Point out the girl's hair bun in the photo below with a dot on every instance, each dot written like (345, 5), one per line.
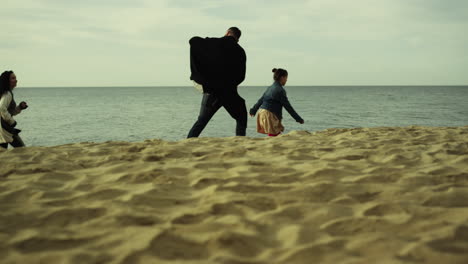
(279, 73)
(274, 70)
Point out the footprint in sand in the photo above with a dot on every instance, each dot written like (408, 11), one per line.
(91, 258)
(141, 177)
(394, 213)
(365, 197)
(229, 208)
(57, 176)
(211, 165)
(319, 253)
(353, 226)
(247, 246)
(288, 179)
(243, 188)
(205, 182)
(453, 198)
(38, 244)
(66, 217)
(384, 209)
(456, 244)
(22, 195)
(190, 219)
(153, 158)
(259, 204)
(169, 246)
(134, 220)
(107, 194)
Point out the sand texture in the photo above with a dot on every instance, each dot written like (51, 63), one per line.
(367, 195)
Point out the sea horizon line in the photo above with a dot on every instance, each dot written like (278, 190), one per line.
(246, 86)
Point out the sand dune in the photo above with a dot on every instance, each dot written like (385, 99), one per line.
(370, 195)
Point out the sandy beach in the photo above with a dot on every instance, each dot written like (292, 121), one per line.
(366, 195)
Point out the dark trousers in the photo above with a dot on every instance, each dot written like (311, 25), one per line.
(211, 104)
(16, 143)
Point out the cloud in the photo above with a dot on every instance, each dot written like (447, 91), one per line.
(103, 42)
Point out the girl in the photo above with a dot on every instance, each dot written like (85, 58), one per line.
(271, 105)
(8, 108)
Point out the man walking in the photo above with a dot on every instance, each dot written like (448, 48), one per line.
(219, 65)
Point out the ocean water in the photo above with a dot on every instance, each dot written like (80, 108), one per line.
(68, 115)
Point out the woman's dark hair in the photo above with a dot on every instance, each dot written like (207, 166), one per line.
(5, 82)
(279, 73)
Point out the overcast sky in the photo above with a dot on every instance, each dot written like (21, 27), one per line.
(320, 42)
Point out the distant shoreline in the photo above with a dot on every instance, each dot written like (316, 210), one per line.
(247, 86)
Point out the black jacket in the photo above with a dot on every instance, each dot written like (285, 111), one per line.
(219, 64)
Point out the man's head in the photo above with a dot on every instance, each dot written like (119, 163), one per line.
(234, 32)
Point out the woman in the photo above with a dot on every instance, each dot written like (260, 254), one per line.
(8, 108)
(271, 105)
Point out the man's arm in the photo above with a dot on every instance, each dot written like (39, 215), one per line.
(195, 68)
